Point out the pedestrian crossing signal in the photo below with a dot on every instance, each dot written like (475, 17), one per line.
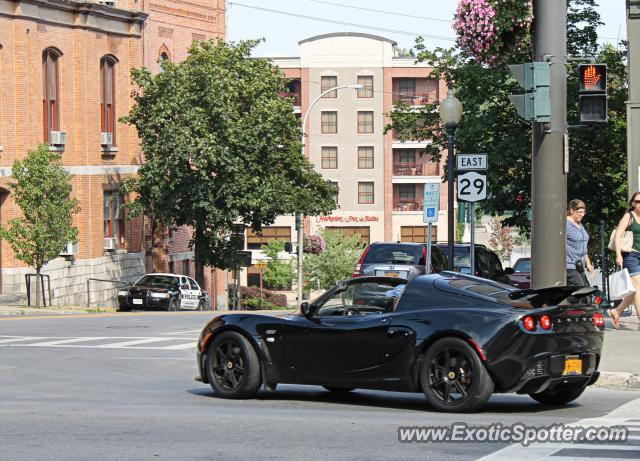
(593, 103)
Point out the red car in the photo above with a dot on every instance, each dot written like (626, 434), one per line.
(521, 276)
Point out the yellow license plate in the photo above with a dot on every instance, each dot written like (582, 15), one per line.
(572, 366)
(392, 274)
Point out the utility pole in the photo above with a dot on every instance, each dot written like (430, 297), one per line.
(550, 151)
(633, 104)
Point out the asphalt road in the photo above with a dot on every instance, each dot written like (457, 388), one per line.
(120, 387)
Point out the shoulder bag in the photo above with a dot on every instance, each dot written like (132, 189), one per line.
(626, 242)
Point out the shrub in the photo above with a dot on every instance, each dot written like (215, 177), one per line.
(252, 298)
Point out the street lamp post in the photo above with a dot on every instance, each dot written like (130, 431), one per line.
(299, 217)
(450, 114)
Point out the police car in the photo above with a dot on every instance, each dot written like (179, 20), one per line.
(173, 292)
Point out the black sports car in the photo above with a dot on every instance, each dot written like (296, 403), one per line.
(457, 338)
(165, 291)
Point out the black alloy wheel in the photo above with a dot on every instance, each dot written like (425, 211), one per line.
(453, 378)
(233, 366)
(174, 305)
(560, 395)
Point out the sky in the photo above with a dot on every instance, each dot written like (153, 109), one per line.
(249, 19)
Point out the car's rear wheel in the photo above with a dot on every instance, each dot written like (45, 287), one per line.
(201, 306)
(339, 390)
(174, 305)
(124, 309)
(233, 366)
(453, 378)
(560, 395)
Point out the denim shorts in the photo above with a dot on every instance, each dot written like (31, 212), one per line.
(631, 262)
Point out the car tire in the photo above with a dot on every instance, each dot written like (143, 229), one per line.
(233, 366)
(124, 309)
(339, 390)
(201, 306)
(174, 305)
(560, 395)
(453, 378)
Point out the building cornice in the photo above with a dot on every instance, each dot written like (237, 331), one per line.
(77, 15)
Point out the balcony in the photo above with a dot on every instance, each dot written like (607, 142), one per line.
(414, 99)
(414, 204)
(407, 169)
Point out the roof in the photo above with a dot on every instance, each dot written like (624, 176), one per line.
(347, 34)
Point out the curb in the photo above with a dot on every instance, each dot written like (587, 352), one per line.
(619, 380)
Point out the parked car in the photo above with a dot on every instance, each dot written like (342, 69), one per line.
(521, 276)
(456, 338)
(487, 262)
(398, 259)
(166, 291)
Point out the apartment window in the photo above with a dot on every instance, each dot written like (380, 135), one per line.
(327, 83)
(407, 87)
(367, 86)
(107, 96)
(335, 185)
(407, 192)
(365, 193)
(162, 59)
(407, 156)
(329, 122)
(417, 234)
(365, 122)
(329, 157)
(50, 92)
(255, 240)
(113, 204)
(363, 231)
(365, 157)
(186, 266)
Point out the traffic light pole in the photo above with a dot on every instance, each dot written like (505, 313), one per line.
(548, 176)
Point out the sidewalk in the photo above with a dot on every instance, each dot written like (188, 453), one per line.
(619, 366)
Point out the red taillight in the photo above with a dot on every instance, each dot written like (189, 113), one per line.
(529, 323)
(545, 322)
(598, 300)
(356, 269)
(598, 319)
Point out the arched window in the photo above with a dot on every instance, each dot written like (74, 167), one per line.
(163, 57)
(50, 92)
(108, 99)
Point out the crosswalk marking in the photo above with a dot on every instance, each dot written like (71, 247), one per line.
(101, 342)
(627, 415)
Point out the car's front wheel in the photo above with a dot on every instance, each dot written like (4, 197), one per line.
(174, 305)
(453, 378)
(233, 366)
(560, 395)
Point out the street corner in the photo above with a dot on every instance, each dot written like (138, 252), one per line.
(12, 312)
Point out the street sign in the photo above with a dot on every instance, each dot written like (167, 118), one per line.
(535, 78)
(471, 162)
(260, 265)
(472, 186)
(431, 202)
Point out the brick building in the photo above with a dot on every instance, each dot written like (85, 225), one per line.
(65, 79)
(380, 179)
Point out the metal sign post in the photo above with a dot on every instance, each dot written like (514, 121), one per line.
(431, 205)
(472, 187)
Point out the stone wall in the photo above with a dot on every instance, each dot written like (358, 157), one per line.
(69, 279)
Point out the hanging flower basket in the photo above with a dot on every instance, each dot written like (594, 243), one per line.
(491, 31)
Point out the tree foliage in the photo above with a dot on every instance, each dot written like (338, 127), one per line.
(41, 188)
(335, 263)
(597, 166)
(220, 146)
(280, 273)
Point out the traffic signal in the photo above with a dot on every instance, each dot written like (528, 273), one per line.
(592, 89)
(535, 77)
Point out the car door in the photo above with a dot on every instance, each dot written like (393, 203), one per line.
(187, 298)
(332, 341)
(196, 291)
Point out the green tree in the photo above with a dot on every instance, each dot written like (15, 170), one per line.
(280, 273)
(490, 124)
(335, 263)
(220, 146)
(41, 188)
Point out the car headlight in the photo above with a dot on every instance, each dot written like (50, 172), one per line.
(123, 293)
(159, 295)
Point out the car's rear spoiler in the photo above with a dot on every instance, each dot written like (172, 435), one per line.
(552, 296)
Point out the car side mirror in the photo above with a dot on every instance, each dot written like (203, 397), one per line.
(305, 309)
(509, 271)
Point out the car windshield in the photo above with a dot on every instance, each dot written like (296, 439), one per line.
(522, 265)
(157, 281)
(395, 254)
